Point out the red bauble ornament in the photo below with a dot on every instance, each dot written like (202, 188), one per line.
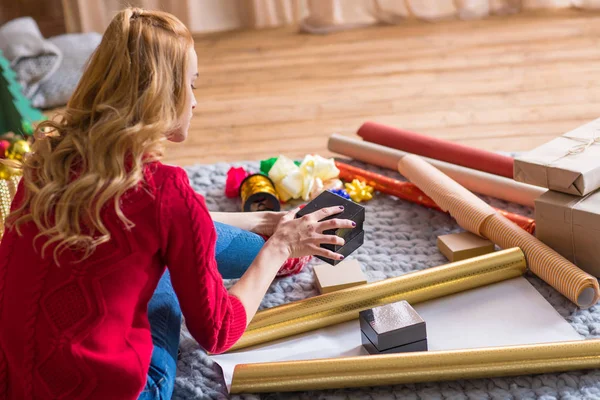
(4, 144)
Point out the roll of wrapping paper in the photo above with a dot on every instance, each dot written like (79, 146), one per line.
(410, 192)
(474, 215)
(438, 149)
(474, 180)
(258, 194)
(344, 305)
(421, 366)
(8, 189)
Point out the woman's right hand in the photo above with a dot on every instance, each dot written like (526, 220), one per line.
(303, 236)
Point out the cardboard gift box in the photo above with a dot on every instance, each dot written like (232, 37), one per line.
(344, 275)
(571, 226)
(463, 245)
(567, 164)
(392, 328)
(354, 237)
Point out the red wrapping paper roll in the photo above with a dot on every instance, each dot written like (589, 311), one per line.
(410, 192)
(438, 149)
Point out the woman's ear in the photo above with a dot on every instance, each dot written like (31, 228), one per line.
(175, 135)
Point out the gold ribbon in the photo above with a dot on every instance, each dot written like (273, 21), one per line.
(8, 189)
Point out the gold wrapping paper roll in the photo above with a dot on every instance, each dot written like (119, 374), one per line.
(344, 305)
(478, 217)
(430, 366)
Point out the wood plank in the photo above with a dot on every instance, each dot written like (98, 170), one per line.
(504, 83)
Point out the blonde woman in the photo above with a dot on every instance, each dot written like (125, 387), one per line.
(87, 309)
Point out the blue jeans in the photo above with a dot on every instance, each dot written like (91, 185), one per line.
(235, 251)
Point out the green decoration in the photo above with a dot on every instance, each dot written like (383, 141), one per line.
(27, 128)
(16, 114)
(266, 165)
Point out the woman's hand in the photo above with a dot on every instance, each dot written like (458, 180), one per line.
(293, 237)
(300, 237)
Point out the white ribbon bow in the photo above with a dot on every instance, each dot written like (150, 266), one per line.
(293, 182)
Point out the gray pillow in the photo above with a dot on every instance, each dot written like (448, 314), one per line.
(76, 49)
(31, 71)
(33, 58)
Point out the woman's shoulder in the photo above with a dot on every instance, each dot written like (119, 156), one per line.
(172, 189)
(160, 174)
(171, 181)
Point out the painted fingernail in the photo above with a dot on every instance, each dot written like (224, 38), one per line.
(341, 207)
(341, 257)
(354, 224)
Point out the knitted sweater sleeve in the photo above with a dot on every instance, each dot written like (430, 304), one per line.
(215, 318)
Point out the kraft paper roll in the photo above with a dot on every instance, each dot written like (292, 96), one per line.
(438, 149)
(474, 180)
(344, 305)
(410, 192)
(425, 366)
(476, 216)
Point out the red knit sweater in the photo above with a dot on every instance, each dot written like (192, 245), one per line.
(79, 330)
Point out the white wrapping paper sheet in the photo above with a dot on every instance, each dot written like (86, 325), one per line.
(508, 313)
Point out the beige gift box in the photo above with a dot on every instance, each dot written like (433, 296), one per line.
(346, 274)
(571, 226)
(463, 245)
(568, 164)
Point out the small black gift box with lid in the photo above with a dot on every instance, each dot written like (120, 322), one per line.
(393, 328)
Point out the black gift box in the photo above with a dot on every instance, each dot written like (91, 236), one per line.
(393, 328)
(421, 345)
(354, 237)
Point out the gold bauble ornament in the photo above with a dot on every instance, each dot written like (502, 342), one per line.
(7, 172)
(17, 150)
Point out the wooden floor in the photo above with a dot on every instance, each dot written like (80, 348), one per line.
(500, 84)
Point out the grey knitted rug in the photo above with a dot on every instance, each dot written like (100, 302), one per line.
(400, 238)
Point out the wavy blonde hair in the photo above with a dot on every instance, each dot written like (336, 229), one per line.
(129, 98)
